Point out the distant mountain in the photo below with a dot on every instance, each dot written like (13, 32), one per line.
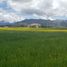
(45, 23)
(4, 23)
(42, 22)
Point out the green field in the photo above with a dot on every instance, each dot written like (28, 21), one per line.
(33, 49)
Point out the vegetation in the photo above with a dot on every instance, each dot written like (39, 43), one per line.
(27, 29)
(33, 49)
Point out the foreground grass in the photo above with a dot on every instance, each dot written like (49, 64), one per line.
(33, 49)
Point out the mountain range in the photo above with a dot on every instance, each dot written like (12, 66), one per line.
(44, 23)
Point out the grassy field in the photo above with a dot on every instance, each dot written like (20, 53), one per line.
(33, 49)
(27, 29)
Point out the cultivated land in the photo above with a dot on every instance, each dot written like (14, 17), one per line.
(27, 29)
(32, 49)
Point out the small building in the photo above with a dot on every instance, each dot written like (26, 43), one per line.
(34, 25)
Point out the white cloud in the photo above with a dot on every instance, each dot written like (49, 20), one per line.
(37, 8)
(41, 7)
(9, 17)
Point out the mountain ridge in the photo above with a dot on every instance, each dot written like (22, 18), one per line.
(43, 22)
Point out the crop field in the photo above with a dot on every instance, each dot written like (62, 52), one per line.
(29, 47)
(27, 29)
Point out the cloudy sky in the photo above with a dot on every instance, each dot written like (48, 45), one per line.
(15, 10)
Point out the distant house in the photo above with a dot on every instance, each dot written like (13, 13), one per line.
(34, 25)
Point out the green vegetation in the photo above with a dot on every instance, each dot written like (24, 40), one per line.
(33, 49)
